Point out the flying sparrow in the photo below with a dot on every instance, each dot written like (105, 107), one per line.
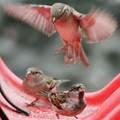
(97, 25)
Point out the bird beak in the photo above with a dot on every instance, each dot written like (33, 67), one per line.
(28, 73)
(81, 89)
(54, 19)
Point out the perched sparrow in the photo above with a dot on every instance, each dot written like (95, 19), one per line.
(37, 82)
(97, 26)
(69, 103)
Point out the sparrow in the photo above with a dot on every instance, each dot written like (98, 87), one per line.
(37, 82)
(97, 25)
(69, 103)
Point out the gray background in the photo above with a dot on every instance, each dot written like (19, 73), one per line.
(22, 46)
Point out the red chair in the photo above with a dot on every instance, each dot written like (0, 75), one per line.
(101, 105)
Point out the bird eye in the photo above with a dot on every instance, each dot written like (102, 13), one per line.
(35, 73)
(74, 88)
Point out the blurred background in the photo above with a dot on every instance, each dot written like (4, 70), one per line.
(22, 46)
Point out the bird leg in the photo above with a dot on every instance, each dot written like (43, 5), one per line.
(76, 117)
(33, 102)
(57, 116)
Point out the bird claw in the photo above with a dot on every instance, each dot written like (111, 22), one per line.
(76, 117)
(32, 103)
(60, 50)
(57, 116)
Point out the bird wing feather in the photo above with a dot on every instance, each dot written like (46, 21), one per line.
(37, 16)
(97, 25)
(59, 99)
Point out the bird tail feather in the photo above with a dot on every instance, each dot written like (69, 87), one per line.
(59, 82)
(75, 52)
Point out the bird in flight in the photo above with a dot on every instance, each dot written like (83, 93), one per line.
(97, 25)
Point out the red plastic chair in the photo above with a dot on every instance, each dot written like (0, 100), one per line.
(101, 105)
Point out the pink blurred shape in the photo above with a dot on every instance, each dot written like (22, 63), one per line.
(101, 105)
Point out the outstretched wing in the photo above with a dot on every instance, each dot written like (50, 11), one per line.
(97, 25)
(36, 15)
